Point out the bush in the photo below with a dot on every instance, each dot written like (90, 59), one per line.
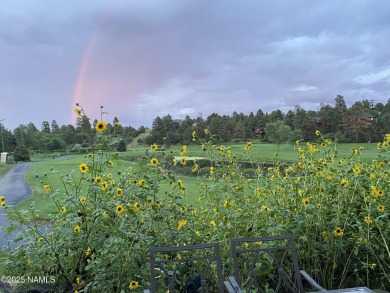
(121, 147)
(336, 208)
(21, 153)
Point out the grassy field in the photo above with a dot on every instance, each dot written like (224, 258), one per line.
(263, 151)
(49, 171)
(5, 167)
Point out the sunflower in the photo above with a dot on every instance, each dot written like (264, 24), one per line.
(101, 126)
(77, 228)
(133, 285)
(88, 251)
(380, 208)
(78, 112)
(265, 208)
(305, 201)
(212, 223)
(338, 231)
(344, 183)
(63, 210)
(83, 200)
(180, 183)
(183, 161)
(119, 192)
(180, 224)
(195, 168)
(154, 162)
(46, 187)
(136, 207)
(2, 198)
(183, 150)
(141, 182)
(368, 220)
(98, 180)
(83, 168)
(318, 132)
(104, 186)
(119, 209)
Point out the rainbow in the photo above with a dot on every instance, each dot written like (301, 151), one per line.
(80, 80)
(78, 89)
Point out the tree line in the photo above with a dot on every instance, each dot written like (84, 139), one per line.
(364, 121)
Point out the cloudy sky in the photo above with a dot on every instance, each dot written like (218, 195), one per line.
(146, 58)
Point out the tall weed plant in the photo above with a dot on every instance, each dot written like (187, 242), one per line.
(337, 208)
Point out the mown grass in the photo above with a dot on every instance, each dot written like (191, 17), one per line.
(5, 167)
(260, 151)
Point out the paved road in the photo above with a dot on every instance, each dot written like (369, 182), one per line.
(15, 189)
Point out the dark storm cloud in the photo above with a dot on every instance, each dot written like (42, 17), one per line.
(151, 57)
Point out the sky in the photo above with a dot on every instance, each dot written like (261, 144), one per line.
(147, 58)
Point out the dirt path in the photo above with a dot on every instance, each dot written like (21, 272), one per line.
(15, 189)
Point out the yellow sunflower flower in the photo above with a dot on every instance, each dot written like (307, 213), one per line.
(119, 192)
(183, 161)
(98, 180)
(133, 285)
(180, 224)
(77, 228)
(195, 168)
(154, 162)
(119, 209)
(338, 231)
(344, 183)
(78, 112)
(380, 208)
(136, 207)
(100, 126)
(368, 220)
(83, 168)
(88, 251)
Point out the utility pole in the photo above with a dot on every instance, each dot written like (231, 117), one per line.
(2, 138)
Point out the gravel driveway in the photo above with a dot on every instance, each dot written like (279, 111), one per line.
(15, 189)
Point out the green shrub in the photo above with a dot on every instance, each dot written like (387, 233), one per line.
(336, 208)
(21, 153)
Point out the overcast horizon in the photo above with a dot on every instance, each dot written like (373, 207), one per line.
(143, 59)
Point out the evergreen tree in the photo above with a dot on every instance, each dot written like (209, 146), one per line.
(45, 126)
